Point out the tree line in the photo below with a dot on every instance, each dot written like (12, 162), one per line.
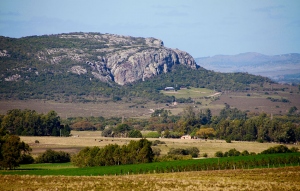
(30, 123)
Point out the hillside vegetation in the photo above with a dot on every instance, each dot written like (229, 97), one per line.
(80, 67)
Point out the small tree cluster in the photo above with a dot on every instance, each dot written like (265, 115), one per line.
(51, 156)
(135, 152)
(122, 130)
(232, 152)
(193, 151)
(279, 149)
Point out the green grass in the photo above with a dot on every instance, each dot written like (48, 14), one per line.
(241, 162)
(192, 93)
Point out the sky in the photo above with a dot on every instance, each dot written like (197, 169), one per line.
(199, 27)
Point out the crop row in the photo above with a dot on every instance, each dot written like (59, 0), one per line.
(241, 162)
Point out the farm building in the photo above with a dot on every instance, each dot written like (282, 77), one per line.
(186, 137)
(169, 88)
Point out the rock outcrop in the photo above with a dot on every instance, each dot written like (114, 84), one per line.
(108, 57)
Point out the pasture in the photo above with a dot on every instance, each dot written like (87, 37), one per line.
(250, 100)
(81, 139)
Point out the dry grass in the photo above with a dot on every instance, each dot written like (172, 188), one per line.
(93, 138)
(257, 179)
(256, 102)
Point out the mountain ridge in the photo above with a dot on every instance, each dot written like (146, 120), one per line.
(108, 57)
(277, 67)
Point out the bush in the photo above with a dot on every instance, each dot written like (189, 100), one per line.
(193, 151)
(219, 154)
(245, 153)
(50, 156)
(228, 140)
(36, 141)
(26, 159)
(156, 151)
(205, 155)
(233, 152)
(135, 134)
(157, 142)
(277, 149)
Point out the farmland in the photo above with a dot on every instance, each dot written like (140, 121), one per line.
(81, 139)
(254, 179)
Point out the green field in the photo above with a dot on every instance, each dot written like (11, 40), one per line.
(241, 162)
(193, 93)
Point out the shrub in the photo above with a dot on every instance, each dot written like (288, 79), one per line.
(205, 155)
(228, 140)
(26, 159)
(233, 152)
(219, 154)
(36, 141)
(156, 151)
(193, 151)
(157, 142)
(245, 153)
(277, 149)
(135, 134)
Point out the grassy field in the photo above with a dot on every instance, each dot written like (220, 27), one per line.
(254, 101)
(81, 139)
(194, 93)
(255, 179)
(224, 163)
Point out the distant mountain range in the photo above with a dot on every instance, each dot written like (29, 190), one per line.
(283, 68)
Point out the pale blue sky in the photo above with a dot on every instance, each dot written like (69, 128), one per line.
(202, 28)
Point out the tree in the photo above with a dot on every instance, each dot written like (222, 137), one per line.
(122, 129)
(12, 150)
(206, 132)
(135, 134)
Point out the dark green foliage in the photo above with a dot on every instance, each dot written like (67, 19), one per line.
(231, 153)
(13, 152)
(193, 151)
(135, 134)
(278, 100)
(135, 152)
(240, 162)
(283, 129)
(219, 154)
(277, 149)
(30, 123)
(51, 156)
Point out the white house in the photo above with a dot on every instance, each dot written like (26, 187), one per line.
(186, 137)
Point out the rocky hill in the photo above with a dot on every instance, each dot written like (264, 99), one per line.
(96, 67)
(107, 57)
(281, 68)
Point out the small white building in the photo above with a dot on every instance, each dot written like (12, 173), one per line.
(186, 137)
(169, 88)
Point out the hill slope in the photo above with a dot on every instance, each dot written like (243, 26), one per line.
(88, 65)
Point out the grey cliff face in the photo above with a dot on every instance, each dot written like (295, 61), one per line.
(121, 59)
(146, 63)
